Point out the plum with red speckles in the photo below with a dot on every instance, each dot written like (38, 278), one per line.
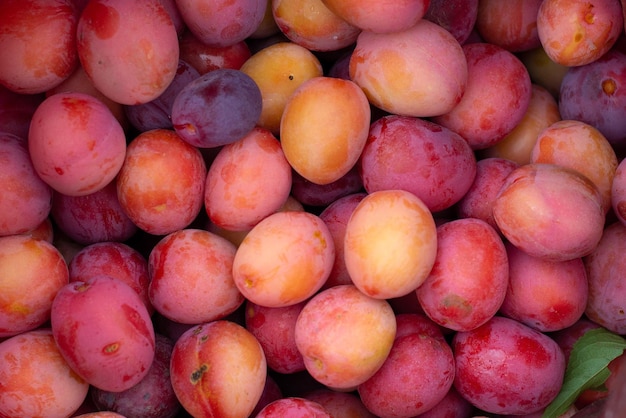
(191, 278)
(92, 218)
(116, 260)
(75, 143)
(407, 153)
(496, 97)
(247, 181)
(38, 41)
(161, 184)
(398, 389)
(218, 369)
(505, 367)
(478, 201)
(222, 23)
(205, 58)
(36, 379)
(104, 332)
(605, 271)
(543, 294)
(274, 328)
(26, 198)
(129, 49)
(468, 282)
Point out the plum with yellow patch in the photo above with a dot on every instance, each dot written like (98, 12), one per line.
(285, 259)
(279, 70)
(32, 271)
(418, 72)
(161, 184)
(324, 127)
(218, 369)
(390, 244)
(344, 336)
(191, 279)
(36, 379)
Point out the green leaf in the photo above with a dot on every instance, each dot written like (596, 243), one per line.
(587, 367)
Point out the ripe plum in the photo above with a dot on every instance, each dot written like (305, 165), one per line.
(390, 244)
(217, 108)
(469, 278)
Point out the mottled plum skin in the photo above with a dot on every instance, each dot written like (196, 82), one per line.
(605, 270)
(405, 153)
(161, 184)
(133, 43)
(36, 379)
(104, 332)
(152, 397)
(505, 367)
(534, 196)
(293, 407)
(274, 328)
(478, 201)
(545, 295)
(456, 16)
(191, 279)
(581, 147)
(344, 336)
(76, 144)
(576, 32)
(32, 271)
(379, 17)
(285, 259)
(38, 44)
(26, 199)
(510, 25)
(398, 389)
(218, 369)
(310, 24)
(222, 23)
(596, 94)
(231, 105)
(336, 216)
(385, 66)
(468, 281)
(116, 260)
(92, 218)
(247, 181)
(484, 114)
